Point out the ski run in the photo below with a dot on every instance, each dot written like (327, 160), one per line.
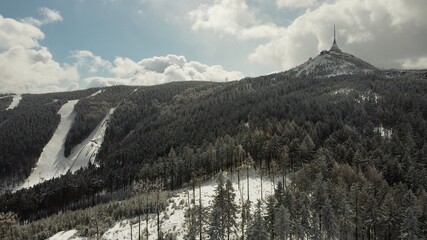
(52, 162)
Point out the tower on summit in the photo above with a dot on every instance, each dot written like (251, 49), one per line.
(335, 47)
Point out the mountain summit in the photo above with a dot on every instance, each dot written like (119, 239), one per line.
(332, 63)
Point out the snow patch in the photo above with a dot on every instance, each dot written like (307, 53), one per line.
(384, 132)
(344, 91)
(173, 218)
(64, 235)
(96, 93)
(15, 102)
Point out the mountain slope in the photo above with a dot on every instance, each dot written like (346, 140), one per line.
(332, 63)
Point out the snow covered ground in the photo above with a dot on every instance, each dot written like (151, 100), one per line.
(52, 162)
(173, 220)
(63, 235)
(15, 102)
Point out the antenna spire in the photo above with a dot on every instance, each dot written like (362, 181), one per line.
(335, 47)
(334, 32)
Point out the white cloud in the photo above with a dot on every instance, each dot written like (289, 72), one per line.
(295, 3)
(49, 16)
(25, 66)
(86, 60)
(232, 17)
(15, 33)
(159, 70)
(419, 63)
(32, 70)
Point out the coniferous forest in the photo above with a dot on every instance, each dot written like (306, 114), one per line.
(349, 154)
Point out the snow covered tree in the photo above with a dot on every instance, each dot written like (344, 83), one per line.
(216, 220)
(224, 210)
(246, 216)
(329, 220)
(256, 229)
(271, 215)
(7, 225)
(282, 224)
(230, 209)
(410, 226)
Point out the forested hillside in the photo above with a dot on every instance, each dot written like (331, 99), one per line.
(353, 146)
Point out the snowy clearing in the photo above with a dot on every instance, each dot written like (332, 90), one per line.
(15, 102)
(64, 235)
(173, 220)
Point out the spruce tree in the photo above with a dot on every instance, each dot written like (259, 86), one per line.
(217, 216)
(329, 220)
(256, 229)
(230, 209)
(282, 224)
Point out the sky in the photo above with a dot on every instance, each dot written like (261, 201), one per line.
(59, 45)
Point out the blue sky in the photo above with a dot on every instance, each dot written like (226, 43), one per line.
(86, 43)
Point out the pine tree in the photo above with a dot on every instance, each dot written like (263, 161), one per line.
(271, 215)
(256, 229)
(282, 224)
(246, 216)
(329, 220)
(217, 225)
(230, 209)
(410, 226)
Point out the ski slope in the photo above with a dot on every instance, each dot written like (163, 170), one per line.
(173, 218)
(52, 161)
(15, 102)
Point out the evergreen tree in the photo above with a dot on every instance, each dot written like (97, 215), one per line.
(282, 224)
(410, 226)
(271, 215)
(329, 220)
(230, 209)
(256, 229)
(217, 226)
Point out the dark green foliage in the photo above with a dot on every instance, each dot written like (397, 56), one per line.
(91, 110)
(5, 101)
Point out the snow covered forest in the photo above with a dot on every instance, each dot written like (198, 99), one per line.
(349, 153)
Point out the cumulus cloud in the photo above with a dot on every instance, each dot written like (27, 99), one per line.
(32, 70)
(15, 33)
(420, 63)
(86, 60)
(395, 30)
(159, 70)
(48, 16)
(232, 17)
(25, 66)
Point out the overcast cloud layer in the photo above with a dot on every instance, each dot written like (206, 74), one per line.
(386, 33)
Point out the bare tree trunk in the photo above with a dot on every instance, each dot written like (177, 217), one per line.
(247, 179)
(139, 226)
(200, 212)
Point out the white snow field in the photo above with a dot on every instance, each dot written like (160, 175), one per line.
(173, 220)
(52, 162)
(63, 235)
(15, 102)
